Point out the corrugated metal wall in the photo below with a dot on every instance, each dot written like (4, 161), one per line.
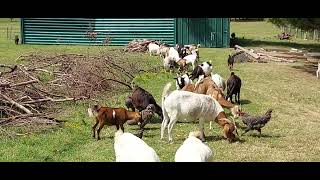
(209, 32)
(73, 30)
(123, 31)
(56, 30)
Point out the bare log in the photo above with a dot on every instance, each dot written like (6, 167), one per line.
(248, 52)
(16, 104)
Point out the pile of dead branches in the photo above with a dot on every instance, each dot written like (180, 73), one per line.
(140, 45)
(276, 55)
(29, 90)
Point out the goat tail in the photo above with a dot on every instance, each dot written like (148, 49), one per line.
(165, 120)
(269, 112)
(165, 91)
(93, 111)
(90, 113)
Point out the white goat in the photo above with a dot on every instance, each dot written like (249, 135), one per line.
(163, 51)
(220, 82)
(153, 48)
(173, 54)
(184, 105)
(130, 148)
(168, 63)
(207, 68)
(191, 58)
(182, 81)
(318, 71)
(193, 150)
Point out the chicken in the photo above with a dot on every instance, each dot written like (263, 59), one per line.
(255, 122)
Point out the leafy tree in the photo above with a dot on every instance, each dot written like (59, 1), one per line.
(301, 23)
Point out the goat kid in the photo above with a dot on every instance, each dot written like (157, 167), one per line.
(182, 81)
(191, 59)
(193, 150)
(153, 48)
(129, 148)
(233, 88)
(111, 116)
(204, 68)
(140, 99)
(163, 51)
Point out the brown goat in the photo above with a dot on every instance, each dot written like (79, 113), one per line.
(208, 87)
(228, 127)
(112, 116)
(183, 66)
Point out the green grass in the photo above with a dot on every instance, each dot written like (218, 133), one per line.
(291, 135)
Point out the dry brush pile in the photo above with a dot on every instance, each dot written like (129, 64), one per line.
(29, 90)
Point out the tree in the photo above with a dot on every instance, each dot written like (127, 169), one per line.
(301, 23)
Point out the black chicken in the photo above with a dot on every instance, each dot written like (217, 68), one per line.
(255, 122)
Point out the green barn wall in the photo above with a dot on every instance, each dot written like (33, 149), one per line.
(209, 32)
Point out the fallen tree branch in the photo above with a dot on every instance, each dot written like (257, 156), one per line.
(125, 84)
(248, 52)
(16, 104)
(23, 116)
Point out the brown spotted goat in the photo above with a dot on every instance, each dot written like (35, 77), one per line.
(112, 117)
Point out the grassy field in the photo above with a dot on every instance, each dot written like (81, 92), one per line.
(290, 89)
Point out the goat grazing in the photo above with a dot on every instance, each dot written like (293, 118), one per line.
(191, 58)
(207, 86)
(183, 66)
(182, 81)
(169, 63)
(318, 71)
(163, 50)
(173, 54)
(153, 48)
(204, 68)
(111, 116)
(140, 99)
(129, 148)
(192, 47)
(182, 105)
(181, 50)
(219, 81)
(233, 87)
(193, 150)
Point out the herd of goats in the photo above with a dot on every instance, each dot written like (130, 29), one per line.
(201, 101)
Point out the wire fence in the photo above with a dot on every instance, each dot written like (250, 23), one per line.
(301, 34)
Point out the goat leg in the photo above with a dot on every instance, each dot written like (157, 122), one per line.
(99, 129)
(259, 130)
(247, 130)
(94, 129)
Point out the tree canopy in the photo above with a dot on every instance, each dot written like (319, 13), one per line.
(301, 23)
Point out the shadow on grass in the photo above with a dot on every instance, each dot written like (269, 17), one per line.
(284, 43)
(221, 138)
(307, 67)
(146, 128)
(245, 101)
(262, 135)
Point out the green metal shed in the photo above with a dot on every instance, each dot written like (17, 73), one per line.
(209, 32)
